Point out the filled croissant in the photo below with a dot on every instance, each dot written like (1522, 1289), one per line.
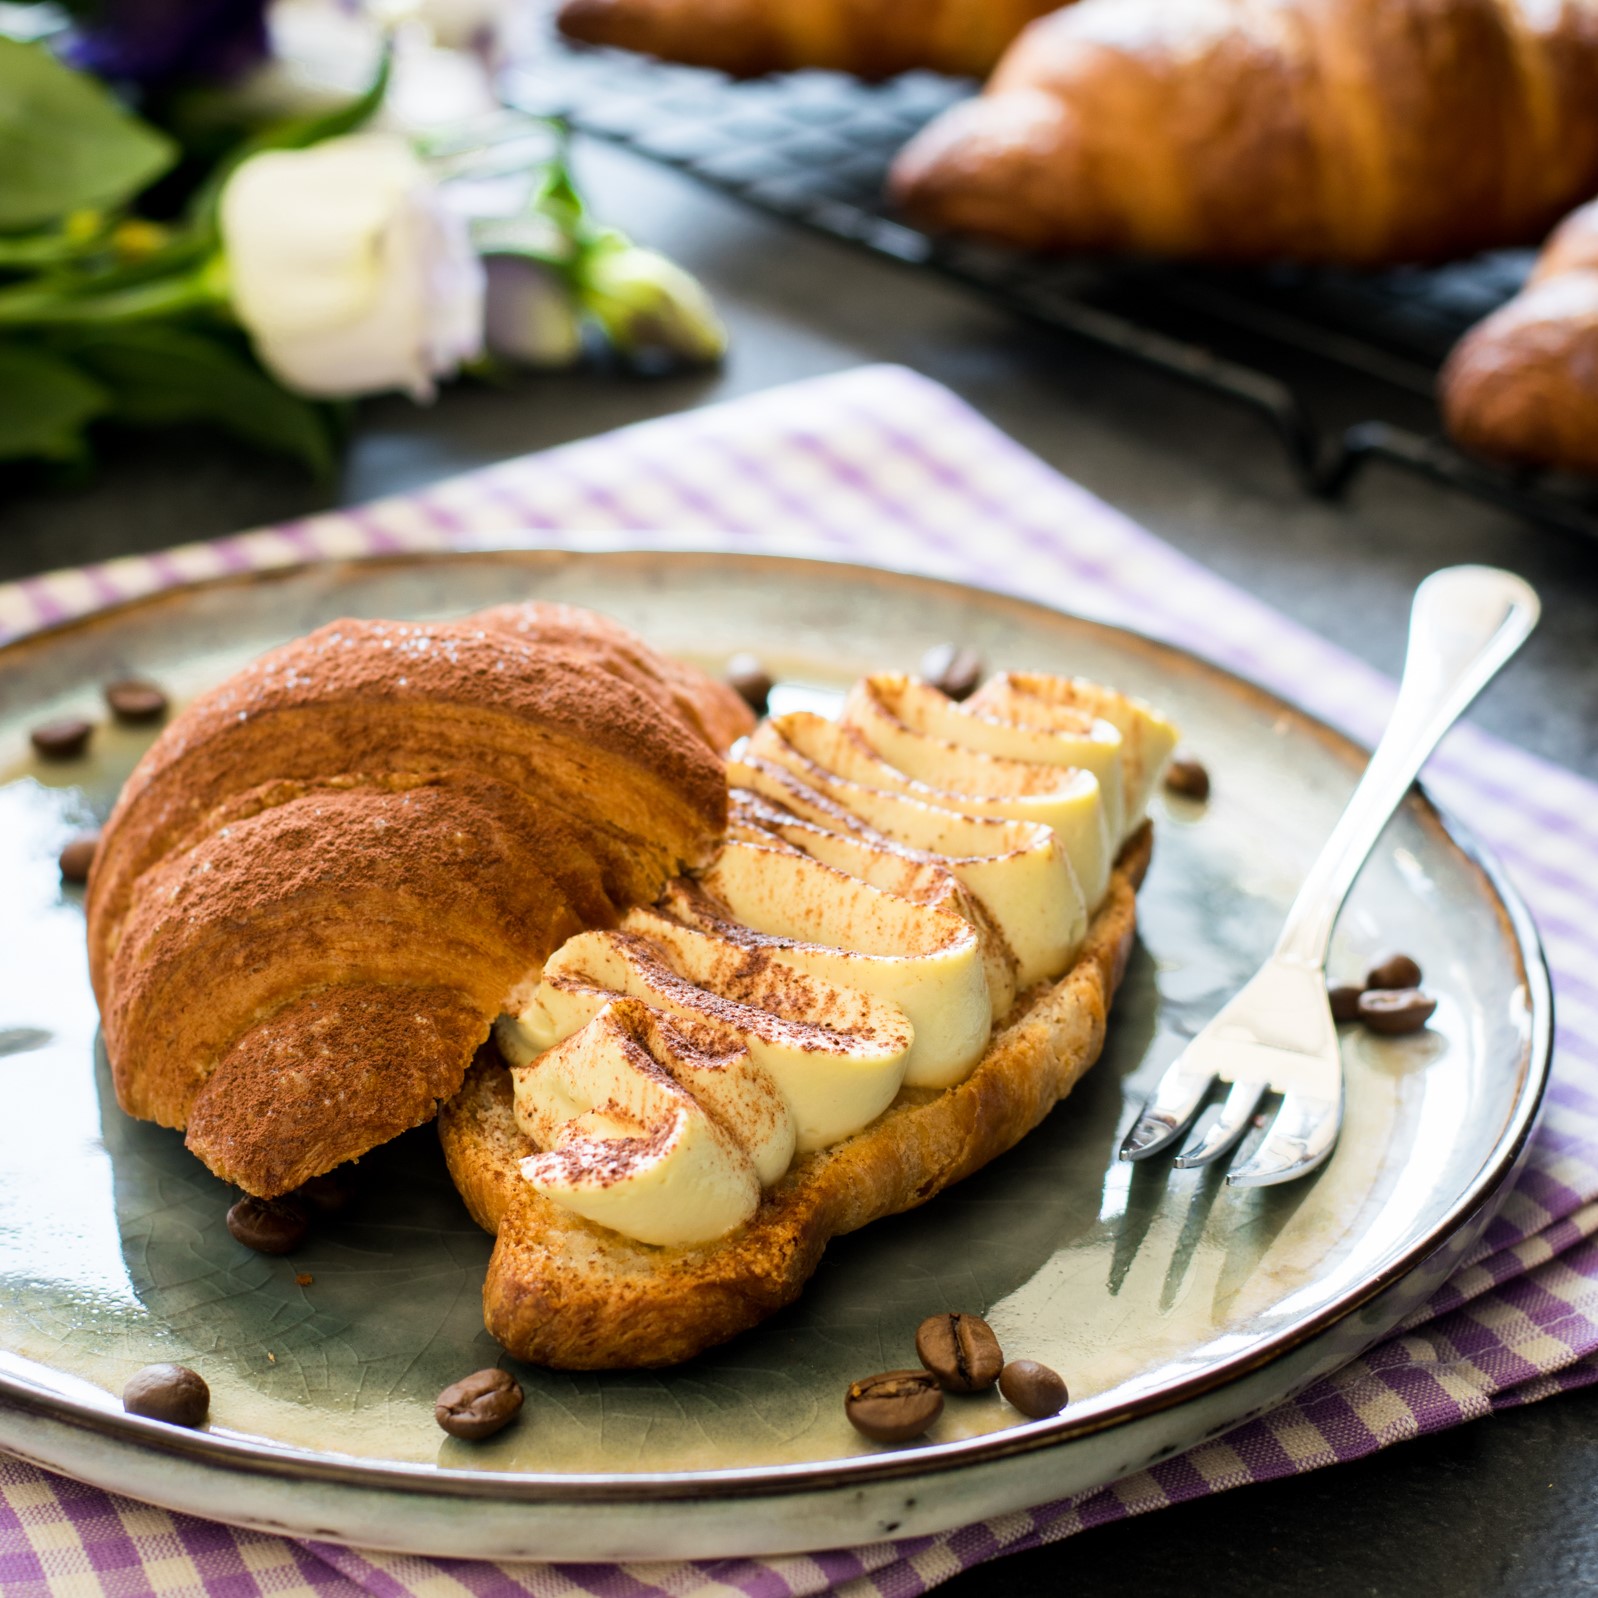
(1522, 386)
(870, 38)
(1354, 131)
(329, 875)
(902, 958)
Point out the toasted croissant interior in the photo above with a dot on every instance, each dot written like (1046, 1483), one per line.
(329, 875)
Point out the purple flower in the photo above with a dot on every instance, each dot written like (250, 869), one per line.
(158, 42)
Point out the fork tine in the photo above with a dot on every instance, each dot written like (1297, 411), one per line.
(1230, 1123)
(1300, 1138)
(1169, 1111)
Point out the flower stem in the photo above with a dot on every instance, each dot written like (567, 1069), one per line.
(28, 305)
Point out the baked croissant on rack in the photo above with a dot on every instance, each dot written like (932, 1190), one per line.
(870, 38)
(329, 875)
(1522, 386)
(1361, 132)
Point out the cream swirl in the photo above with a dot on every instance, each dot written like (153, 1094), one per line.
(911, 873)
(791, 906)
(835, 1054)
(928, 736)
(642, 1131)
(1035, 699)
(1033, 876)
(890, 883)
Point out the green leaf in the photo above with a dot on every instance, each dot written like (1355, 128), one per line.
(306, 131)
(45, 403)
(557, 197)
(65, 144)
(159, 376)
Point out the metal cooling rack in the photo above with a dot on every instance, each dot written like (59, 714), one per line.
(815, 147)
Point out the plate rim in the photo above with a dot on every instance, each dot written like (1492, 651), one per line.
(242, 1451)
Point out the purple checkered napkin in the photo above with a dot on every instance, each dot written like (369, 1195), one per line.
(883, 467)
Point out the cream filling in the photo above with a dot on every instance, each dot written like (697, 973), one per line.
(891, 881)
(1036, 878)
(646, 1134)
(828, 924)
(1037, 700)
(911, 873)
(836, 1056)
(911, 725)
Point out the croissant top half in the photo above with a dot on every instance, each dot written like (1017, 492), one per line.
(328, 875)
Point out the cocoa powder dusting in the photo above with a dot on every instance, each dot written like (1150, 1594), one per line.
(429, 809)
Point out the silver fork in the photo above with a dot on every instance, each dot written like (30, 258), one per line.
(1277, 1035)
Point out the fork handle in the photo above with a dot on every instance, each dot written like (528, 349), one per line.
(1466, 623)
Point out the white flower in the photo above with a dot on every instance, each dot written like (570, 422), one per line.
(324, 54)
(532, 317)
(468, 24)
(347, 269)
(649, 305)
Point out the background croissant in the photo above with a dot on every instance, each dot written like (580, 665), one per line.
(871, 38)
(1354, 131)
(1522, 386)
(327, 877)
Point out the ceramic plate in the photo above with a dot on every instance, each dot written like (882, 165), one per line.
(1175, 1307)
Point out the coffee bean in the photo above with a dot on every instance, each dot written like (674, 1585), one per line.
(1394, 1011)
(65, 739)
(953, 670)
(78, 856)
(961, 1351)
(1396, 971)
(750, 681)
(478, 1405)
(268, 1225)
(1345, 1002)
(895, 1406)
(135, 700)
(172, 1393)
(1033, 1389)
(329, 1194)
(1187, 779)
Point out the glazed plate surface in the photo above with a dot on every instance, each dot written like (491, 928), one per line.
(1174, 1307)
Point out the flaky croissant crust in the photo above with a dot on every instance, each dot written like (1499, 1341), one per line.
(328, 875)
